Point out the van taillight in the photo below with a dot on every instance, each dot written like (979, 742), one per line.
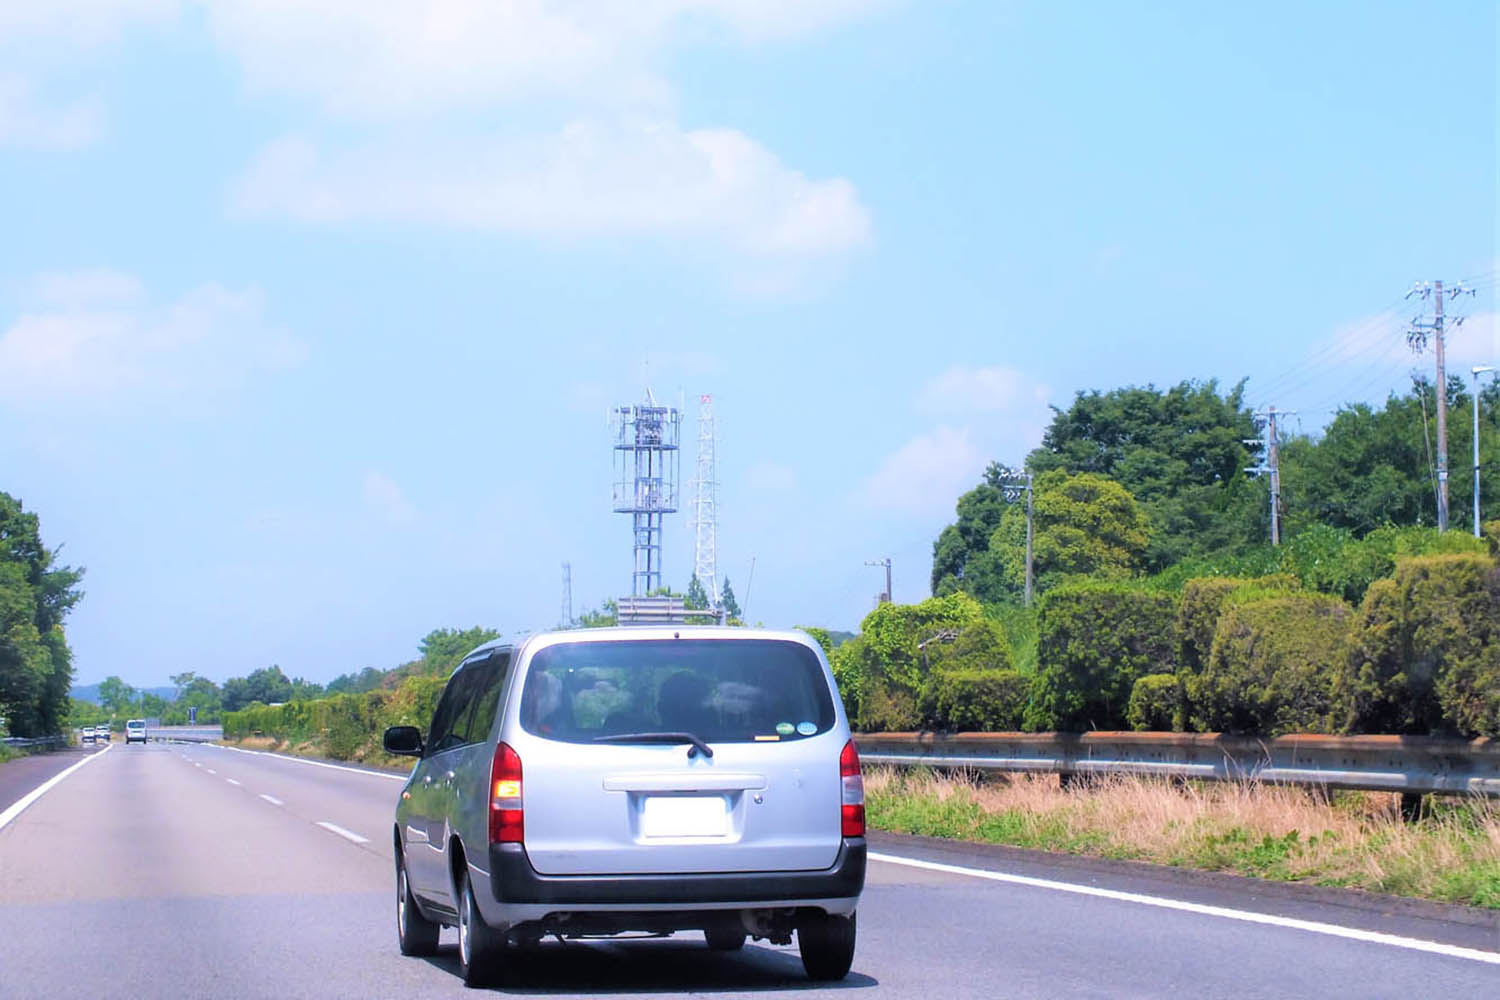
(852, 810)
(507, 817)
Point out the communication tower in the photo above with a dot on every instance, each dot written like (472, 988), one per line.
(647, 442)
(706, 506)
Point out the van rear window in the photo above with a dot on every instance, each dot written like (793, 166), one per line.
(720, 690)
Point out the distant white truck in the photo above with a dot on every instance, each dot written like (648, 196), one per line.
(135, 731)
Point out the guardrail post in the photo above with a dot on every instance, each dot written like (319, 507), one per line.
(1412, 806)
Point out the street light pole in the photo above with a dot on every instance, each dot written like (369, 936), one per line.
(1477, 370)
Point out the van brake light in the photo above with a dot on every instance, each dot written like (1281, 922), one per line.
(852, 808)
(507, 815)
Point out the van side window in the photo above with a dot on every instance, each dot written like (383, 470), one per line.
(452, 707)
(489, 677)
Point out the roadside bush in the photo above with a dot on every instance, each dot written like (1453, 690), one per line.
(1332, 561)
(1158, 703)
(1275, 664)
(342, 726)
(1426, 651)
(976, 700)
(1094, 640)
(882, 671)
(1198, 611)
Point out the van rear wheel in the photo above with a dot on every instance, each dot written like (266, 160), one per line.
(826, 942)
(481, 950)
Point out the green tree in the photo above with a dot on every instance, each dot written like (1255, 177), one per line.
(1375, 467)
(116, 696)
(727, 597)
(957, 555)
(36, 594)
(697, 597)
(1083, 525)
(1178, 451)
(604, 617)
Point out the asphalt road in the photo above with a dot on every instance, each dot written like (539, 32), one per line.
(197, 871)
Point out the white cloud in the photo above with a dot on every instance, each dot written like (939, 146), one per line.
(93, 336)
(386, 499)
(355, 57)
(1474, 342)
(48, 41)
(85, 287)
(771, 477)
(590, 179)
(924, 475)
(982, 390)
(29, 122)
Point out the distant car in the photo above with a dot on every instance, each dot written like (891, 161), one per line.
(135, 731)
(103, 733)
(675, 779)
(86, 734)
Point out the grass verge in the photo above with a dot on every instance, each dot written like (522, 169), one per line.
(1349, 839)
(316, 750)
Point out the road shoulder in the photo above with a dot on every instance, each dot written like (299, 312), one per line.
(1464, 926)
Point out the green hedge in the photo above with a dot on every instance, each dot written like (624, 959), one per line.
(1094, 640)
(1426, 656)
(883, 671)
(976, 700)
(344, 726)
(1198, 611)
(1275, 665)
(1158, 703)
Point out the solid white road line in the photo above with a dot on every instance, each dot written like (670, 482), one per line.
(315, 763)
(346, 834)
(1313, 926)
(17, 807)
(231, 781)
(272, 799)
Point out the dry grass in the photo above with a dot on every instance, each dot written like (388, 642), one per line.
(1349, 839)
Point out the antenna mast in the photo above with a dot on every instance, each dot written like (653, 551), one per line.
(647, 442)
(706, 505)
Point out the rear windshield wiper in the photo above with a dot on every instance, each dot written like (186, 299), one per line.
(698, 746)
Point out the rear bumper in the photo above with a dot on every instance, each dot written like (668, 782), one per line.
(514, 881)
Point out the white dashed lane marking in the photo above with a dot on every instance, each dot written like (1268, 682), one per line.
(349, 835)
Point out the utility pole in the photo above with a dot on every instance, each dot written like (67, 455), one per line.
(886, 562)
(1011, 487)
(1476, 371)
(1416, 338)
(1272, 464)
(1028, 539)
(567, 595)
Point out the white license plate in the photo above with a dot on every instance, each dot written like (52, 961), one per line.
(684, 816)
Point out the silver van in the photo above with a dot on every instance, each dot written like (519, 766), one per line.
(656, 779)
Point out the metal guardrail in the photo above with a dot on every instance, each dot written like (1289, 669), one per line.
(23, 743)
(1411, 765)
(187, 734)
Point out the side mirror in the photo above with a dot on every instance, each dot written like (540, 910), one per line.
(403, 741)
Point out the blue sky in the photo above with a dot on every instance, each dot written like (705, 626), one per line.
(310, 314)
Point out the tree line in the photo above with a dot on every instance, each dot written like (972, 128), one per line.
(1161, 605)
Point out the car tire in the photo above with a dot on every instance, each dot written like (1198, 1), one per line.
(724, 939)
(827, 945)
(414, 933)
(481, 950)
